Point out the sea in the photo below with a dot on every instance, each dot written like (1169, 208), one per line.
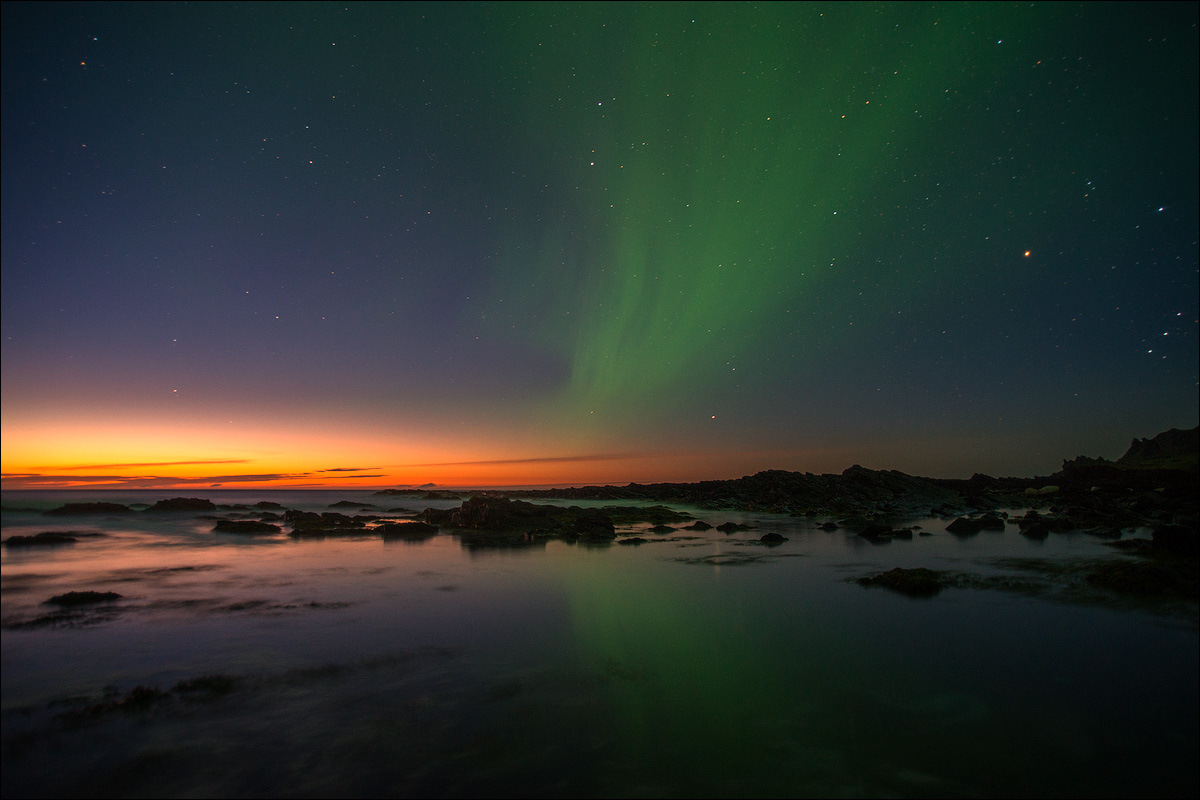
(695, 664)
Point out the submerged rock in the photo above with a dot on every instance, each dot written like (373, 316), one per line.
(82, 598)
(183, 504)
(918, 582)
(47, 539)
(406, 530)
(71, 509)
(244, 526)
(1177, 540)
(773, 538)
(969, 526)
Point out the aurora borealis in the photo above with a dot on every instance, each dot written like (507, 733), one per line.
(472, 244)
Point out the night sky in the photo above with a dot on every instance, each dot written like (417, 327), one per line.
(385, 244)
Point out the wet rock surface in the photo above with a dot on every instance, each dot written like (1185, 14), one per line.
(918, 582)
(245, 526)
(49, 538)
(70, 599)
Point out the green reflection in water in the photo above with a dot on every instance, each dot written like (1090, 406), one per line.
(694, 691)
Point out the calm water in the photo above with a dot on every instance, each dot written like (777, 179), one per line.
(707, 664)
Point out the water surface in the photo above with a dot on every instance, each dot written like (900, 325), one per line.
(696, 664)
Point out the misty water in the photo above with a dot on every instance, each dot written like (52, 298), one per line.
(696, 664)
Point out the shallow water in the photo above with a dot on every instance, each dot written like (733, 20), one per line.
(697, 664)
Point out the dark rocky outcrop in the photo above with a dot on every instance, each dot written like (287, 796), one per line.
(919, 582)
(309, 524)
(411, 531)
(79, 509)
(244, 526)
(182, 504)
(1173, 449)
(46, 539)
(1177, 540)
(773, 538)
(71, 599)
(969, 526)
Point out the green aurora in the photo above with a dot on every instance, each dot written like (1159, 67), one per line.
(724, 177)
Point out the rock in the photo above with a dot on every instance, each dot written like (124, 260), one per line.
(593, 524)
(663, 529)
(407, 530)
(246, 526)
(82, 598)
(634, 540)
(47, 539)
(877, 533)
(1175, 539)
(919, 582)
(1036, 530)
(267, 505)
(969, 526)
(829, 526)
(183, 504)
(700, 525)
(731, 527)
(1170, 449)
(71, 509)
(351, 504)
(773, 538)
(1132, 577)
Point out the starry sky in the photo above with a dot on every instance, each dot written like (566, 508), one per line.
(369, 244)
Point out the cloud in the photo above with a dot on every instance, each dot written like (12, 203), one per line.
(36, 480)
(159, 463)
(350, 469)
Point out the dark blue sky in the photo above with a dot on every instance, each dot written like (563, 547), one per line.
(618, 241)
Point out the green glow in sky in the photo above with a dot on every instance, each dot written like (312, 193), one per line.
(711, 166)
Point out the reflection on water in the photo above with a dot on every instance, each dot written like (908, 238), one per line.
(698, 663)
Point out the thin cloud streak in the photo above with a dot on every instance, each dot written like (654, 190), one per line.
(156, 464)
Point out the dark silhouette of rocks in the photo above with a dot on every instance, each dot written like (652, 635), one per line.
(1177, 540)
(1173, 449)
(182, 504)
(82, 598)
(919, 582)
(773, 538)
(79, 509)
(309, 524)
(414, 531)
(968, 526)
(244, 526)
(493, 520)
(47, 539)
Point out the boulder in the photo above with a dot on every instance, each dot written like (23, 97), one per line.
(407, 530)
(82, 598)
(244, 526)
(72, 509)
(919, 582)
(969, 526)
(183, 504)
